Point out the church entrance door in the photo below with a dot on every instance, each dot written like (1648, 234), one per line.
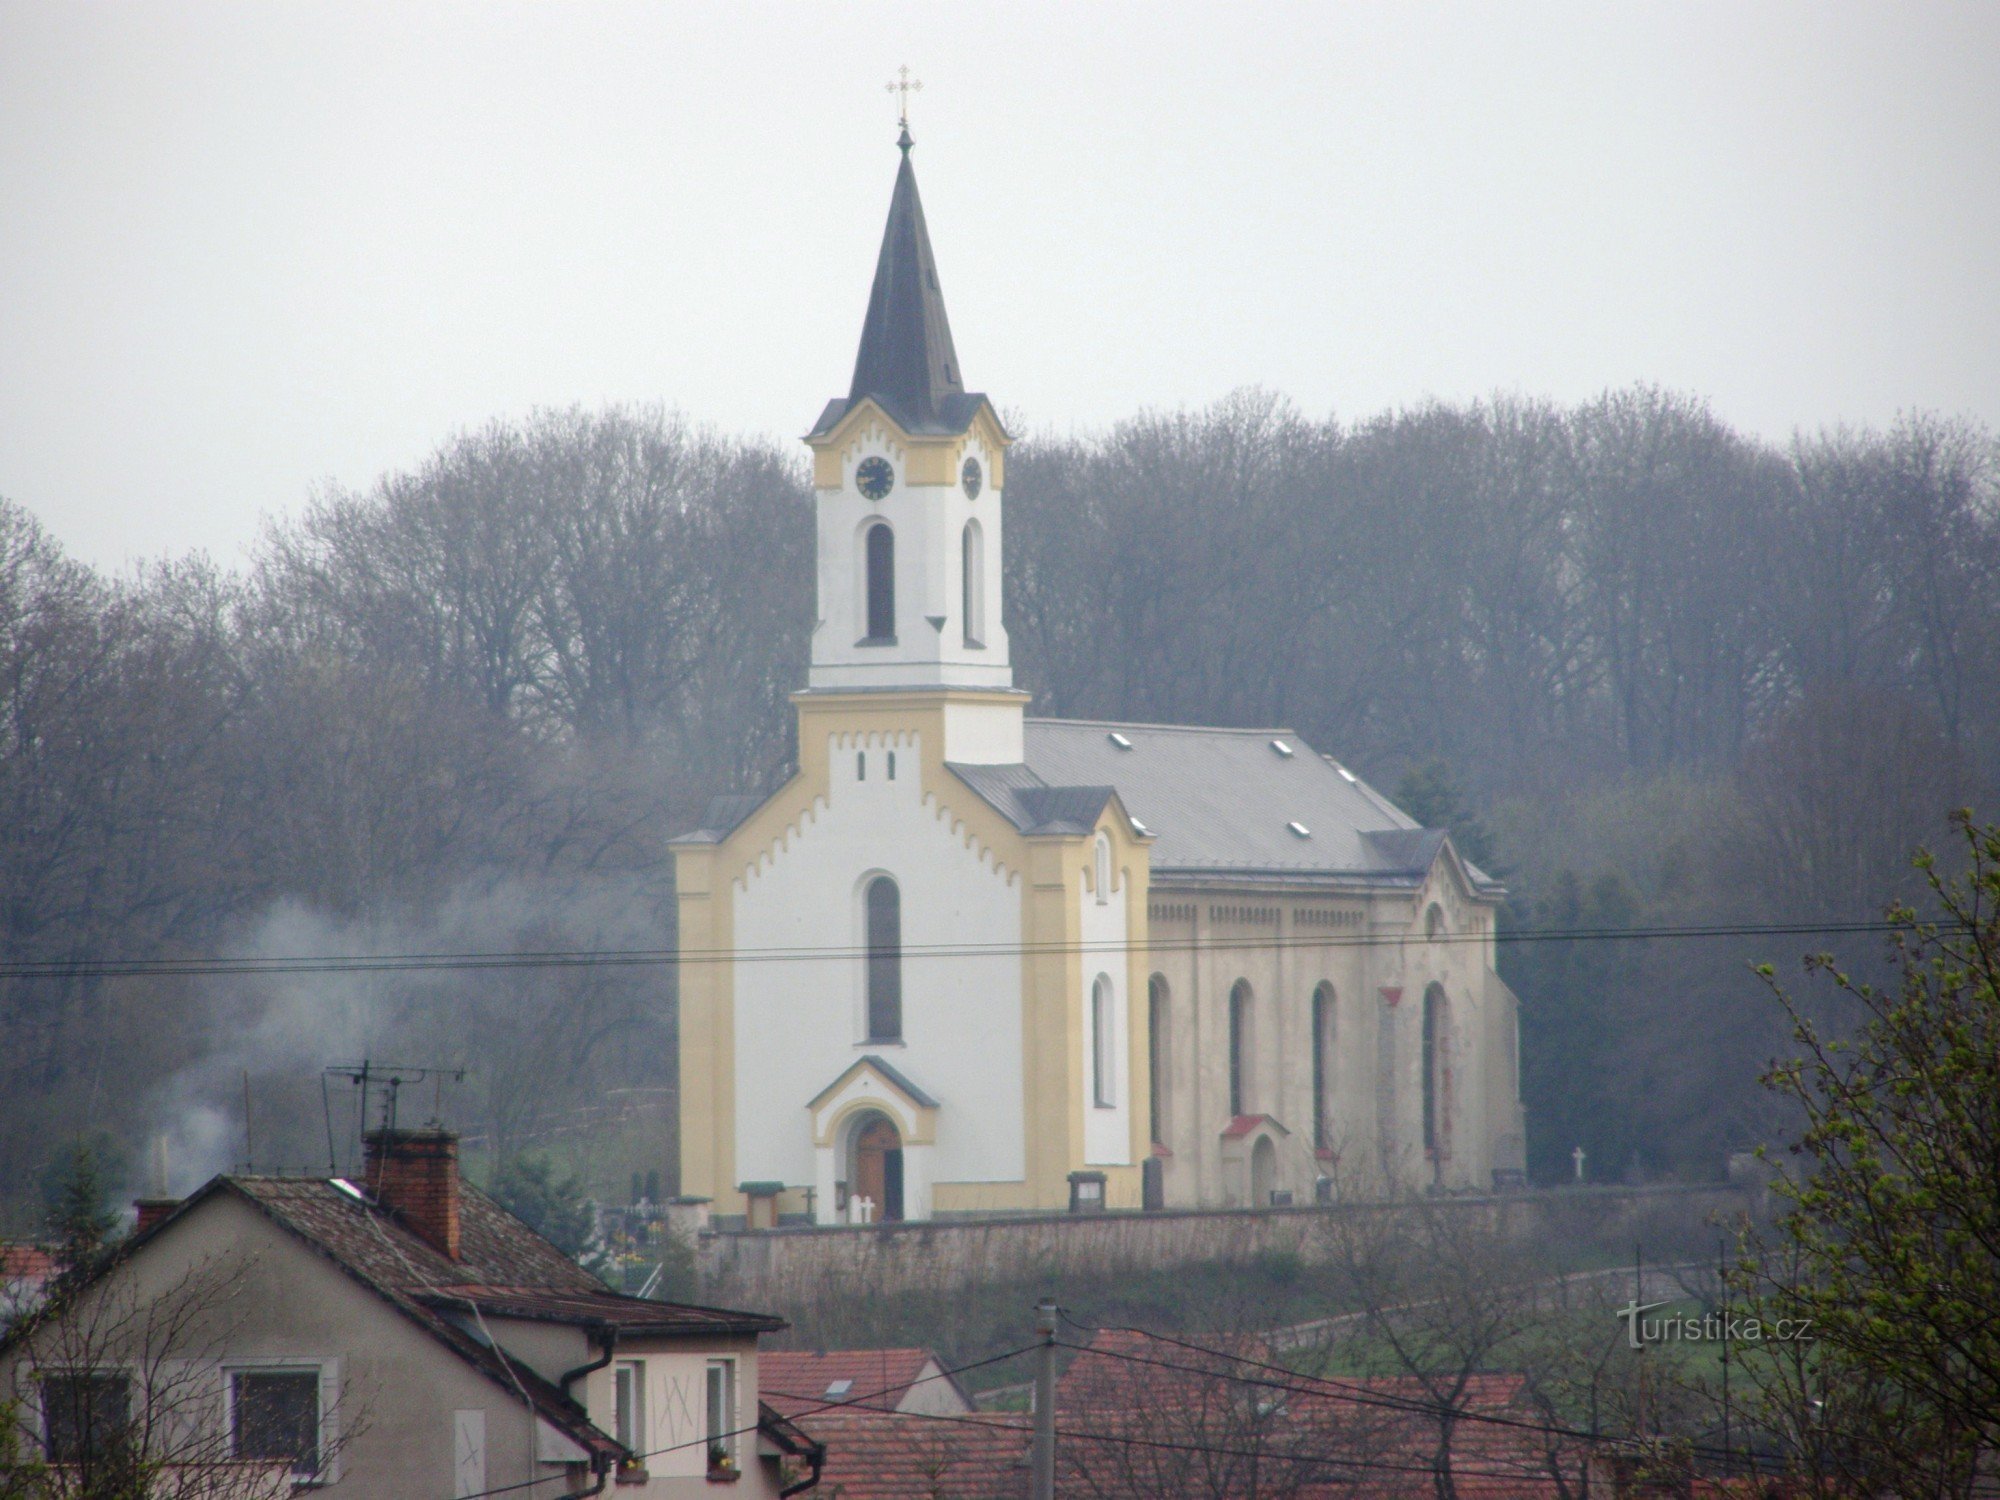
(878, 1167)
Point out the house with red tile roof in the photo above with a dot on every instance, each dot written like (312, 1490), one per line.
(401, 1336)
(811, 1381)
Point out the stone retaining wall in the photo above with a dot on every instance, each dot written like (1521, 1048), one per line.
(781, 1267)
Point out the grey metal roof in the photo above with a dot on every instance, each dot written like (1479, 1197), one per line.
(1031, 804)
(906, 360)
(720, 818)
(1224, 801)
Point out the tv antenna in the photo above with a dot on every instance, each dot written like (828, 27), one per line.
(388, 1080)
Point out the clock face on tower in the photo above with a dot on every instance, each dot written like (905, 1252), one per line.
(874, 477)
(969, 476)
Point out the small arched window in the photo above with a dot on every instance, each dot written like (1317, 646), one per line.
(1101, 873)
(1437, 1071)
(1433, 923)
(1104, 1043)
(974, 567)
(1322, 1067)
(884, 920)
(1156, 1052)
(879, 547)
(1239, 1047)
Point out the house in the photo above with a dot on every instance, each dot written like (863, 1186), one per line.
(967, 961)
(25, 1270)
(401, 1336)
(1138, 1417)
(911, 1380)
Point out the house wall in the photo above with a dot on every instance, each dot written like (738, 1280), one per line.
(396, 1390)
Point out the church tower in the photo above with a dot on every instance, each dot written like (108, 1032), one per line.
(909, 469)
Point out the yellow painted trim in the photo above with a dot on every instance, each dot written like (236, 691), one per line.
(925, 460)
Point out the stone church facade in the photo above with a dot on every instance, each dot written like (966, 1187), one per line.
(967, 961)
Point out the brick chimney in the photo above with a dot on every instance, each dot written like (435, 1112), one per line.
(152, 1211)
(415, 1173)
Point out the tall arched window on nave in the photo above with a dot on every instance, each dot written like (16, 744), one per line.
(879, 547)
(884, 919)
(1322, 1067)
(1156, 1035)
(1240, 1038)
(1437, 1071)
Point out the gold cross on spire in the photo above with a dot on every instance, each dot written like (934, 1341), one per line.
(904, 86)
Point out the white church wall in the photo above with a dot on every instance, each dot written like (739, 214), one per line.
(800, 1023)
(1104, 929)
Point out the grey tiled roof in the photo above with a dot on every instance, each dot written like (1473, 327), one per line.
(1222, 801)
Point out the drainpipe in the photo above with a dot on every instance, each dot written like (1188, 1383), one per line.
(603, 1472)
(599, 1466)
(593, 1366)
(817, 1458)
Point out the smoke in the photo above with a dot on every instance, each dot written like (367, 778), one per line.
(540, 1046)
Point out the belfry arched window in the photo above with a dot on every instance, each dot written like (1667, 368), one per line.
(883, 917)
(1104, 1043)
(974, 564)
(1322, 1067)
(1240, 1039)
(1101, 870)
(1437, 1071)
(879, 546)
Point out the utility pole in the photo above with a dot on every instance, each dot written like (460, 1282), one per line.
(1043, 1486)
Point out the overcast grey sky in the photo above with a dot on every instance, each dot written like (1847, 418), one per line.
(254, 248)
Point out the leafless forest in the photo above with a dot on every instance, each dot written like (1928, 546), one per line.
(1652, 670)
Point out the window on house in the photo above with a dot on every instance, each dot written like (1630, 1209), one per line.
(861, 765)
(973, 566)
(1239, 1047)
(1102, 873)
(880, 549)
(86, 1415)
(1156, 1026)
(276, 1414)
(892, 765)
(884, 920)
(1104, 1043)
(628, 1404)
(1434, 923)
(1435, 1063)
(721, 1415)
(1322, 1067)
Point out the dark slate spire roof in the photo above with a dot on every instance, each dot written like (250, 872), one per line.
(906, 362)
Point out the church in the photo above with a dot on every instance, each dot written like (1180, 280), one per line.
(967, 961)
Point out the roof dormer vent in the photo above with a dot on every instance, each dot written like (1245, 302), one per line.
(1349, 775)
(1119, 740)
(1285, 752)
(1300, 830)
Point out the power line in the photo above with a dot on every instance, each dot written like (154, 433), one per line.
(576, 958)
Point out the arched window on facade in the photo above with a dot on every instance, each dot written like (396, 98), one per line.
(1101, 870)
(1322, 1067)
(1437, 1071)
(1103, 1043)
(879, 547)
(1240, 1039)
(1433, 923)
(884, 917)
(1156, 1037)
(974, 567)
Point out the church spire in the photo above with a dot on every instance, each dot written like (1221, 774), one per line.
(906, 361)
